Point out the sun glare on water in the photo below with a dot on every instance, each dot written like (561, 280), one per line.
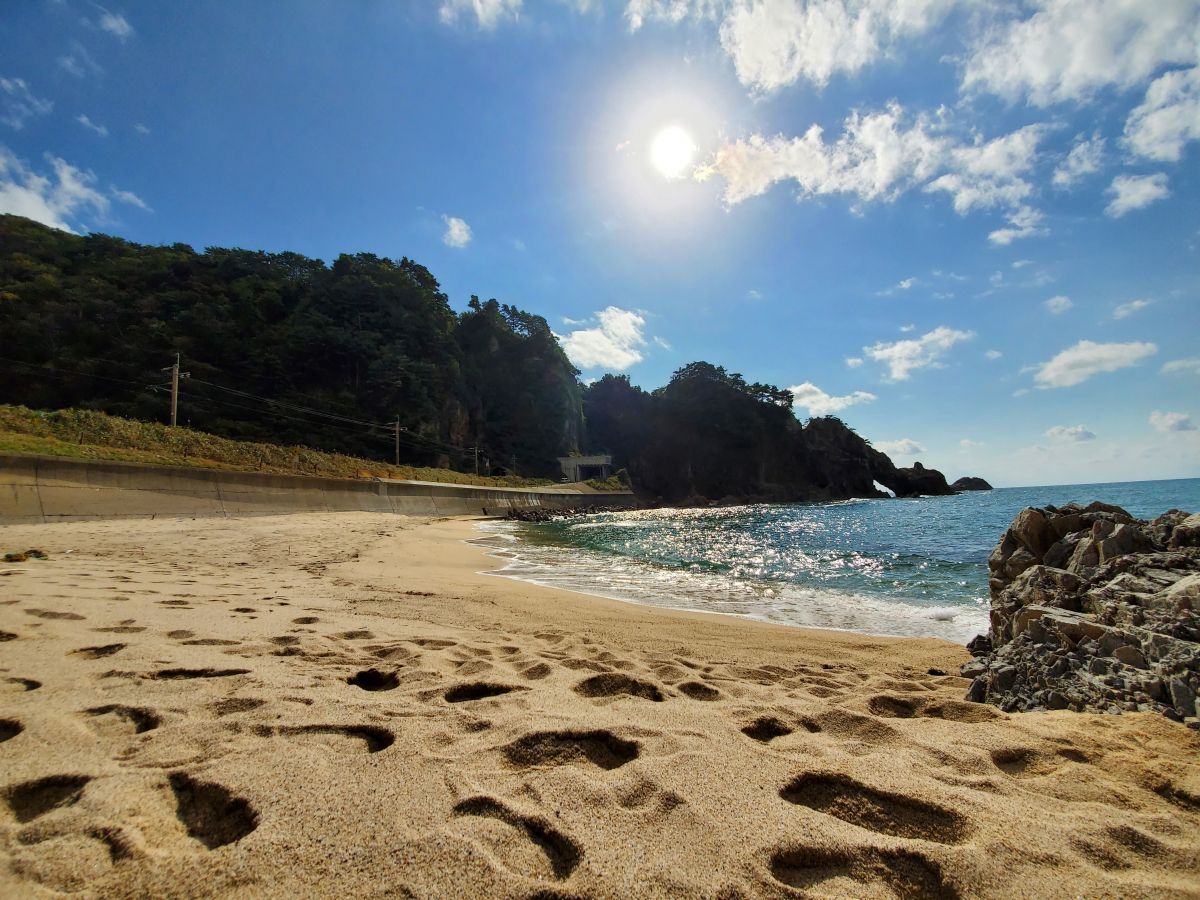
(672, 152)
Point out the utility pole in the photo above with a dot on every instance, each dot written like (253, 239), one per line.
(175, 376)
(476, 451)
(397, 440)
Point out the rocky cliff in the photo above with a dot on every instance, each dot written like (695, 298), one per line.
(1092, 609)
(971, 483)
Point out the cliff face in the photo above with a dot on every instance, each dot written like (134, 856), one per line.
(1093, 609)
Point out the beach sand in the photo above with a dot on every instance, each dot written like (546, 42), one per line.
(342, 705)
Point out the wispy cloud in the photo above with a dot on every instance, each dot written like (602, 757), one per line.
(1130, 192)
(115, 24)
(53, 199)
(1125, 310)
(19, 104)
(130, 198)
(79, 62)
(1179, 366)
(487, 14)
(1058, 305)
(1070, 433)
(92, 126)
(1171, 421)
(141, 129)
(1084, 159)
(1080, 362)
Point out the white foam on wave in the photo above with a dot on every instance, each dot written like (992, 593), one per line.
(587, 572)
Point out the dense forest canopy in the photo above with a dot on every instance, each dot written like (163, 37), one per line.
(286, 349)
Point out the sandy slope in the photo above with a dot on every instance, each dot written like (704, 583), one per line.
(339, 705)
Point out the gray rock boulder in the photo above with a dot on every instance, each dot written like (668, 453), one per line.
(1092, 609)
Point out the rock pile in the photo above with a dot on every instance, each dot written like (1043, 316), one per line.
(546, 514)
(1092, 609)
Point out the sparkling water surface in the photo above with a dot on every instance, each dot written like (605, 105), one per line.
(896, 567)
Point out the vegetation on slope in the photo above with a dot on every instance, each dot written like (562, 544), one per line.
(85, 434)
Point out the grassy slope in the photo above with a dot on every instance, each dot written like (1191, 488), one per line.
(83, 434)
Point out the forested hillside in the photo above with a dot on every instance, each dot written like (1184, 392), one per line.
(284, 349)
(91, 322)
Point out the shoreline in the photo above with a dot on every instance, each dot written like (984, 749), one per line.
(345, 703)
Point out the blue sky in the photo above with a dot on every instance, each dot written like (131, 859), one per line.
(968, 228)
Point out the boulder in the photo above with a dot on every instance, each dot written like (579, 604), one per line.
(1092, 609)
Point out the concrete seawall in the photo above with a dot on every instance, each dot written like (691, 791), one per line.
(48, 489)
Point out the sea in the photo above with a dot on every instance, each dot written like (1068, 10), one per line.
(908, 567)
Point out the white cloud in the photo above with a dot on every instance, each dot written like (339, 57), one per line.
(1080, 362)
(853, 362)
(753, 295)
(905, 329)
(1084, 159)
(905, 447)
(1132, 192)
(79, 62)
(50, 199)
(141, 129)
(903, 285)
(116, 25)
(818, 403)
(1128, 309)
(1177, 366)
(1070, 433)
(903, 357)
(131, 198)
(660, 342)
(1168, 118)
(774, 43)
(487, 13)
(1171, 421)
(882, 154)
(92, 126)
(968, 444)
(1058, 305)
(18, 104)
(1021, 263)
(1025, 222)
(993, 354)
(458, 232)
(614, 344)
(1069, 49)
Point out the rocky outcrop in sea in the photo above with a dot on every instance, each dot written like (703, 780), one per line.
(970, 483)
(1092, 609)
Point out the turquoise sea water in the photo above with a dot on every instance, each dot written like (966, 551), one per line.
(903, 567)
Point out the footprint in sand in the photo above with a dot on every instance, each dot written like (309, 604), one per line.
(32, 799)
(765, 729)
(212, 814)
(231, 705)
(98, 652)
(50, 614)
(860, 872)
(612, 684)
(173, 674)
(906, 707)
(698, 690)
(374, 680)
(478, 690)
(523, 844)
(9, 729)
(121, 629)
(879, 811)
(117, 720)
(17, 685)
(305, 620)
(556, 748)
(341, 738)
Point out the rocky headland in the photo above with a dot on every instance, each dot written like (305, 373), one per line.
(970, 483)
(1092, 609)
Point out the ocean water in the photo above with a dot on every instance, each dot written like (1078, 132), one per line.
(894, 567)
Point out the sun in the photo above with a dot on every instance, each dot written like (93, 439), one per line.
(672, 152)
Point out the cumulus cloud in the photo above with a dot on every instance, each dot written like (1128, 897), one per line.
(1080, 362)
(615, 343)
(902, 358)
(65, 193)
(1168, 118)
(1070, 433)
(1058, 305)
(487, 13)
(1171, 421)
(458, 232)
(1179, 366)
(1128, 309)
(19, 104)
(818, 403)
(1130, 192)
(774, 43)
(92, 126)
(116, 25)
(1069, 49)
(1084, 159)
(905, 447)
(1024, 221)
(879, 156)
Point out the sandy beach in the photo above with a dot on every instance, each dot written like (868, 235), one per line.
(346, 705)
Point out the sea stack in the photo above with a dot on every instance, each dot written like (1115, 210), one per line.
(970, 483)
(1092, 609)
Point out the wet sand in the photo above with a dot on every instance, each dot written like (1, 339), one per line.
(342, 705)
